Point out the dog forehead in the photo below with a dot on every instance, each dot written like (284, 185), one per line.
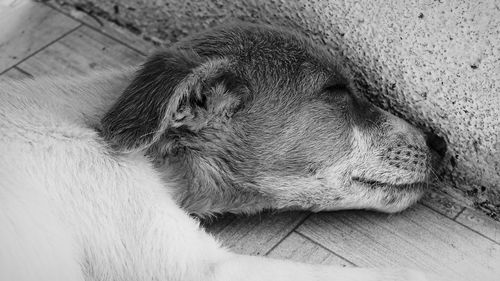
(249, 40)
(271, 57)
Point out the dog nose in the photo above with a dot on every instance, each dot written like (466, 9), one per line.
(437, 148)
(409, 148)
(436, 143)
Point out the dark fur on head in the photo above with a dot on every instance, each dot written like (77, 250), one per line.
(250, 117)
(153, 102)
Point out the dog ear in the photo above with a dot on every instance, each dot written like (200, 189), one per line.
(172, 89)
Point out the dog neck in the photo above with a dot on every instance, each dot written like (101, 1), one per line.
(202, 195)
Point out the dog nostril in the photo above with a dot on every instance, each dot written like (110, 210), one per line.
(436, 143)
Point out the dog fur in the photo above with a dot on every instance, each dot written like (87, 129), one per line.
(99, 174)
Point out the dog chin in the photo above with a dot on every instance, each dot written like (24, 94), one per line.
(378, 196)
(406, 200)
(396, 198)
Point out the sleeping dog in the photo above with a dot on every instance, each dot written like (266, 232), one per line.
(98, 174)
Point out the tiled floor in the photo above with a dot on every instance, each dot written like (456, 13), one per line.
(439, 234)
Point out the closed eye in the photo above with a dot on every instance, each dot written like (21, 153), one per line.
(338, 94)
(335, 88)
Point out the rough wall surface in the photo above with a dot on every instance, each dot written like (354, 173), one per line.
(435, 63)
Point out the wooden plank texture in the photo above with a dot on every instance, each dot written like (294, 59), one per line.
(442, 203)
(216, 225)
(481, 223)
(81, 52)
(14, 74)
(111, 29)
(258, 234)
(298, 248)
(418, 238)
(27, 27)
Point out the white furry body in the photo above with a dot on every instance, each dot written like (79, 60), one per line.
(72, 210)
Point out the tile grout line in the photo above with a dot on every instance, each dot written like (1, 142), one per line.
(323, 247)
(288, 234)
(458, 214)
(98, 30)
(22, 71)
(457, 222)
(42, 48)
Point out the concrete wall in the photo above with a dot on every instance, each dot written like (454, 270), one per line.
(435, 63)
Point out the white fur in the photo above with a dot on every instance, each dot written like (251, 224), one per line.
(72, 210)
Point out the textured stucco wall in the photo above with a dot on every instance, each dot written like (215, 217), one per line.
(435, 63)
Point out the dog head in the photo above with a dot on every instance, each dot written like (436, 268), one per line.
(250, 117)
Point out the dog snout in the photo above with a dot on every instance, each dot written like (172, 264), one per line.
(402, 154)
(419, 151)
(407, 147)
(423, 150)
